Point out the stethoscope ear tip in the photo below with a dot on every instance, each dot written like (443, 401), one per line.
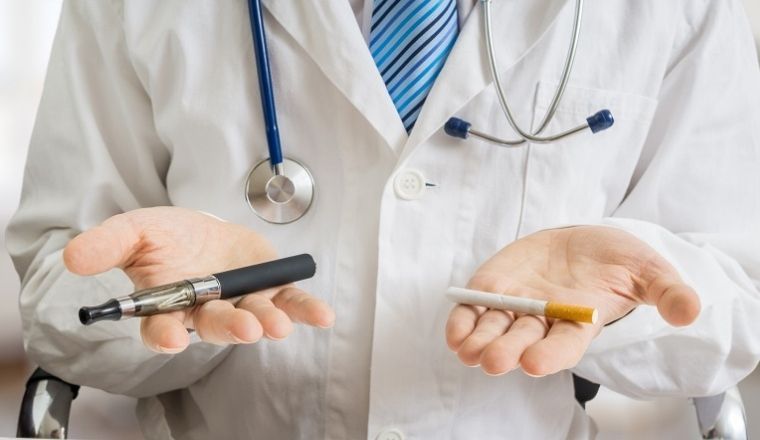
(458, 128)
(600, 121)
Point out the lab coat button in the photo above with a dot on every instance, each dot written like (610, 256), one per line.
(409, 184)
(390, 434)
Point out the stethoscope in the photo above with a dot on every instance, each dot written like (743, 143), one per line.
(281, 190)
(278, 189)
(597, 122)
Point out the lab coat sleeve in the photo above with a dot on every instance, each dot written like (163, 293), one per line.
(94, 153)
(695, 199)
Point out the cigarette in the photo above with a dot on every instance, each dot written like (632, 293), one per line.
(550, 309)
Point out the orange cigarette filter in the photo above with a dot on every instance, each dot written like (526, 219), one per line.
(570, 312)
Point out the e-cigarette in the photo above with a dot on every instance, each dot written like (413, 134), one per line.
(196, 291)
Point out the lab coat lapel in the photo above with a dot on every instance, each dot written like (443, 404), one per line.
(329, 33)
(517, 27)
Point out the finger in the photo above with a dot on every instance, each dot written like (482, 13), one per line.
(164, 333)
(103, 247)
(460, 324)
(503, 354)
(219, 322)
(304, 308)
(274, 321)
(491, 325)
(677, 303)
(562, 348)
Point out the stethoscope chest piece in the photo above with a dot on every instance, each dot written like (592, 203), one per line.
(282, 197)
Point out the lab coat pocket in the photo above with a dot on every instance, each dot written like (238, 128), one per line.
(584, 177)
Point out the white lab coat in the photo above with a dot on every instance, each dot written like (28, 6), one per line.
(156, 103)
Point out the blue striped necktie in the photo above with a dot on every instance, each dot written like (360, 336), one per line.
(409, 41)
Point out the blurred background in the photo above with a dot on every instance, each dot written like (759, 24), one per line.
(27, 28)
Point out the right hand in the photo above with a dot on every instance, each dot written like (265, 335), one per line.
(161, 245)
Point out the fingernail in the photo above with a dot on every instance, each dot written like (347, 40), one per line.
(268, 336)
(509, 370)
(237, 340)
(327, 323)
(169, 350)
(533, 375)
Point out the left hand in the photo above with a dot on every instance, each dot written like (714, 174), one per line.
(601, 267)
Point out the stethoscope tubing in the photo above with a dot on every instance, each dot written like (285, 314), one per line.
(566, 70)
(265, 85)
(597, 122)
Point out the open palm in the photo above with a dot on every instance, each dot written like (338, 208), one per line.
(600, 267)
(156, 246)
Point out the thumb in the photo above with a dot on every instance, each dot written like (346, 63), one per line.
(103, 247)
(677, 302)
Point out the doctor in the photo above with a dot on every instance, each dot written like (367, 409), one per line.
(153, 104)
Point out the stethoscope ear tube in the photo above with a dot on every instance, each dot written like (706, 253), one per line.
(597, 122)
(459, 128)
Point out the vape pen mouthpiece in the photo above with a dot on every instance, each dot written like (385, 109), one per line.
(107, 311)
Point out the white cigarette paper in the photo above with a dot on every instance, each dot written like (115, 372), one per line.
(519, 304)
